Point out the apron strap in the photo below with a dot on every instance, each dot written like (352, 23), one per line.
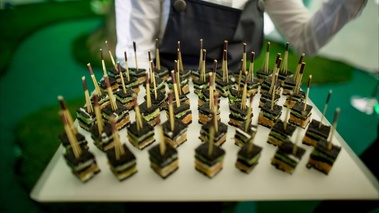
(192, 20)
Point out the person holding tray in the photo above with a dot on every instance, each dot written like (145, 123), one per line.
(216, 21)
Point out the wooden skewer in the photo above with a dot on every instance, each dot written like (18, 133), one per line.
(284, 67)
(240, 77)
(86, 95)
(111, 55)
(274, 91)
(211, 91)
(276, 67)
(267, 58)
(178, 80)
(162, 143)
(275, 71)
(135, 55)
(177, 100)
(298, 67)
(119, 150)
(244, 58)
(137, 112)
(103, 63)
(68, 114)
(336, 114)
(288, 111)
(150, 70)
(226, 44)
(180, 59)
(97, 88)
(202, 70)
(298, 138)
(112, 99)
(201, 54)
(244, 94)
(122, 77)
(127, 66)
(251, 143)
(211, 139)
(171, 111)
(157, 55)
(153, 77)
(299, 78)
(148, 95)
(325, 107)
(215, 108)
(70, 135)
(251, 67)
(99, 118)
(250, 109)
(213, 79)
(307, 94)
(214, 75)
(225, 70)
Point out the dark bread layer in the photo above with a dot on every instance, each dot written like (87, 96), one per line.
(244, 151)
(236, 108)
(146, 129)
(235, 93)
(66, 143)
(222, 128)
(279, 128)
(120, 109)
(277, 109)
(212, 159)
(222, 83)
(165, 159)
(114, 72)
(205, 110)
(268, 96)
(286, 148)
(282, 76)
(322, 146)
(132, 83)
(261, 74)
(298, 96)
(267, 83)
(289, 81)
(200, 82)
(86, 155)
(107, 130)
(313, 127)
(162, 72)
(139, 73)
(161, 97)
(146, 110)
(112, 81)
(181, 108)
(178, 129)
(120, 93)
(83, 112)
(242, 135)
(299, 108)
(128, 156)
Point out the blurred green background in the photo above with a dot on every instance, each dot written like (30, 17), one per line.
(47, 44)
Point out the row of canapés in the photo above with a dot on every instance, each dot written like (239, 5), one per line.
(106, 112)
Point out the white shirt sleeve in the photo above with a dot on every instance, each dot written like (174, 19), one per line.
(307, 32)
(137, 21)
(141, 21)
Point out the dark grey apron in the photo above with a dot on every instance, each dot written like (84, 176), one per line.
(195, 20)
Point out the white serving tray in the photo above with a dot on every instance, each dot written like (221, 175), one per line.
(348, 179)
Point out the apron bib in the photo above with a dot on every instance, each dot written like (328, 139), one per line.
(195, 20)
